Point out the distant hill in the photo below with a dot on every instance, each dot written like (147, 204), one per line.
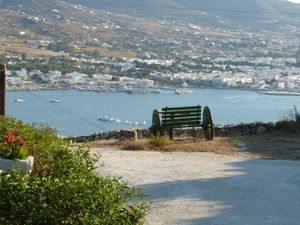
(127, 28)
(65, 19)
(230, 12)
(31, 5)
(46, 18)
(255, 14)
(148, 8)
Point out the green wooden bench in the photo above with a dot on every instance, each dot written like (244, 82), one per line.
(169, 118)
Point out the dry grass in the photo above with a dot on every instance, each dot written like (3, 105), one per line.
(104, 143)
(275, 145)
(220, 145)
(32, 52)
(151, 25)
(18, 46)
(110, 53)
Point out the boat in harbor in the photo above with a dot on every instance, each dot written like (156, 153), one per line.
(182, 91)
(106, 118)
(54, 100)
(19, 100)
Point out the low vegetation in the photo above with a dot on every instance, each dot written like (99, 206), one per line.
(290, 121)
(159, 141)
(217, 146)
(220, 145)
(63, 188)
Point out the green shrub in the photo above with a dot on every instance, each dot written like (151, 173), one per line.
(63, 187)
(283, 124)
(290, 121)
(159, 141)
(41, 142)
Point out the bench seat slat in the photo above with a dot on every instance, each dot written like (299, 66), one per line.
(195, 115)
(191, 123)
(182, 120)
(175, 111)
(180, 113)
(180, 126)
(181, 108)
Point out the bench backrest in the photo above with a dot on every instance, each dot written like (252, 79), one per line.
(177, 117)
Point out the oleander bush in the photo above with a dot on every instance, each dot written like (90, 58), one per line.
(63, 187)
(13, 145)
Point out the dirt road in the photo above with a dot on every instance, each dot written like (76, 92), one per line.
(210, 189)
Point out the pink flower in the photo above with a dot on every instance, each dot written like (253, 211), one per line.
(14, 130)
(9, 138)
(21, 141)
(15, 145)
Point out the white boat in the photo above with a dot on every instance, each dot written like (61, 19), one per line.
(183, 91)
(19, 100)
(106, 118)
(54, 100)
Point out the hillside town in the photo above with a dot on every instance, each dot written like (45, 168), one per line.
(141, 60)
(261, 73)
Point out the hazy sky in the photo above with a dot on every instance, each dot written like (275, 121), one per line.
(296, 1)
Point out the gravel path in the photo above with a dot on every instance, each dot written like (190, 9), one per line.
(203, 188)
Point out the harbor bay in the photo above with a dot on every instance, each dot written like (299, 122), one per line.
(87, 112)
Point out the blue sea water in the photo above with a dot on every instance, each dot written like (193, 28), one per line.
(78, 112)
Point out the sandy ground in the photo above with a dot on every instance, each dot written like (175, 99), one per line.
(204, 188)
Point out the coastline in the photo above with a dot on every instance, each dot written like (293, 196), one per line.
(284, 93)
(130, 91)
(228, 130)
(156, 90)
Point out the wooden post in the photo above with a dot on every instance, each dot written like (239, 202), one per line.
(2, 89)
(171, 133)
(135, 135)
(194, 134)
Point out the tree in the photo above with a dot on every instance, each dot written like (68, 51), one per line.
(60, 46)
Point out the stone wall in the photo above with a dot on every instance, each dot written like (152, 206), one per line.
(243, 129)
(219, 131)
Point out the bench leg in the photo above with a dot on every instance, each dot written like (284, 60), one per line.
(194, 134)
(171, 133)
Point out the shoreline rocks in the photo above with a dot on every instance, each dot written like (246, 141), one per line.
(236, 130)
